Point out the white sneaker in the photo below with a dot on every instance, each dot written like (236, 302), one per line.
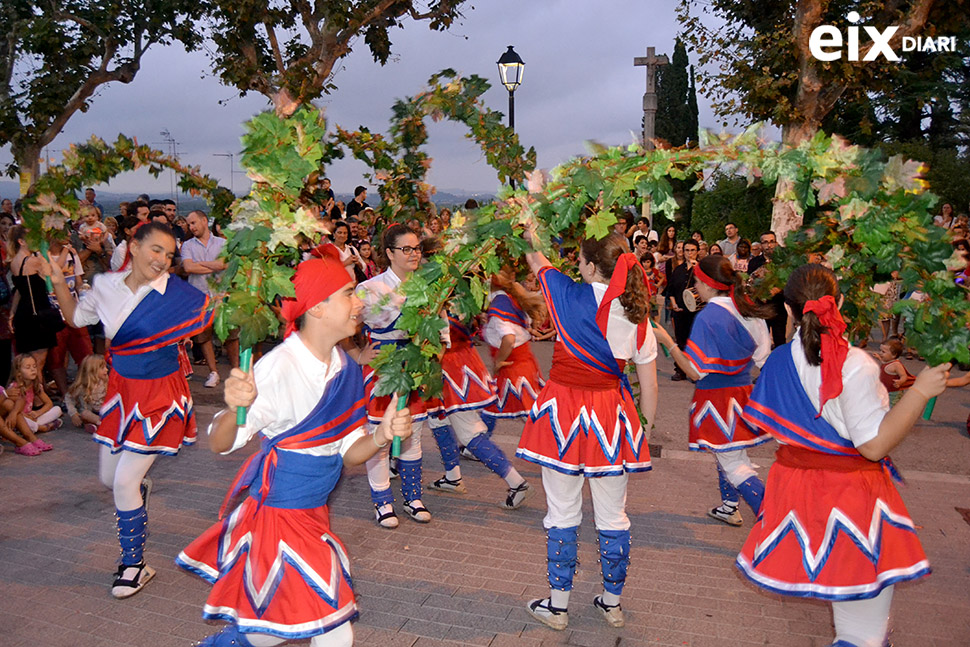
(212, 381)
(726, 514)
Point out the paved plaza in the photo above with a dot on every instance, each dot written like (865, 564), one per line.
(464, 579)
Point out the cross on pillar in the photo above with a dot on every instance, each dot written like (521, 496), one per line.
(652, 62)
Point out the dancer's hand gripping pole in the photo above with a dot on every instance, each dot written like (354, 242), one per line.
(245, 363)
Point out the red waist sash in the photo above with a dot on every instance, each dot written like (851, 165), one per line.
(808, 460)
(569, 371)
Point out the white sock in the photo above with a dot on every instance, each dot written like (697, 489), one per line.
(513, 478)
(610, 599)
(558, 599)
(454, 473)
(264, 640)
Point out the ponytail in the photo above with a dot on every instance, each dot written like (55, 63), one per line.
(604, 253)
(810, 283)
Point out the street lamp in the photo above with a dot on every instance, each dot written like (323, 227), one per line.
(232, 170)
(511, 69)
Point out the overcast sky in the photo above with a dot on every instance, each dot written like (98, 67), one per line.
(580, 84)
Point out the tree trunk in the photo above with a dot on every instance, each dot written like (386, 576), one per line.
(28, 160)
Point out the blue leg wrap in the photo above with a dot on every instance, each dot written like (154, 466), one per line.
(230, 636)
(614, 559)
(561, 549)
(728, 491)
(382, 497)
(489, 453)
(132, 531)
(753, 491)
(447, 445)
(491, 421)
(843, 643)
(410, 472)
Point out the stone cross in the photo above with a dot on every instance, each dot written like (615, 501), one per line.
(652, 63)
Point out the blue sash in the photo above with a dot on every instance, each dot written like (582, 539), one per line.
(144, 347)
(780, 406)
(572, 308)
(722, 347)
(504, 307)
(284, 479)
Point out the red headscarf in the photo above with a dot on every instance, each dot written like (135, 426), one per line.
(717, 285)
(617, 286)
(834, 347)
(315, 280)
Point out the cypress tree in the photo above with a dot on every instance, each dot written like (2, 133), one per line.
(673, 120)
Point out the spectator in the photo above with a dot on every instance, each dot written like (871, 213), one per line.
(76, 341)
(36, 321)
(643, 230)
(349, 255)
(140, 210)
(367, 255)
(13, 427)
(94, 245)
(200, 260)
(6, 224)
(715, 250)
(85, 397)
(337, 212)
(730, 244)
(325, 188)
(945, 219)
(123, 208)
(703, 249)
(755, 249)
(127, 228)
(624, 227)
(36, 407)
(358, 204)
(445, 216)
(779, 323)
(655, 280)
(697, 236)
(6, 206)
(91, 198)
(667, 243)
(111, 226)
(742, 257)
(679, 278)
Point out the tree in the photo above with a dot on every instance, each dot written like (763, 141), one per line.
(760, 65)
(673, 120)
(287, 49)
(54, 56)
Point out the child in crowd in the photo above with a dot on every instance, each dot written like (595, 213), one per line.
(14, 428)
(86, 395)
(34, 405)
(367, 255)
(892, 373)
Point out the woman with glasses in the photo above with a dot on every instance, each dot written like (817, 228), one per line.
(382, 308)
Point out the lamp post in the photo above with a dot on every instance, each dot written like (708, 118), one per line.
(232, 170)
(511, 69)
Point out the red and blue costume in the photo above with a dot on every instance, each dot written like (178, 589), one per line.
(275, 564)
(148, 407)
(585, 421)
(832, 525)
(517, 384)
(467, 383)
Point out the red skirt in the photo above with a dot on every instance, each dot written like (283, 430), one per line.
(467, 383)
(716, 424)
(831, 527)
(376, 406)
(273, 570)
(147, 416)
(517, 385)
(585, 432)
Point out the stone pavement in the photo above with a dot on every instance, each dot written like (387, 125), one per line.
(461, 580)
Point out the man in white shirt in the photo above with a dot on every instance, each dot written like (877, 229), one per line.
(200, 260)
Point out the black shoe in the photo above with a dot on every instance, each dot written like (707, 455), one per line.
(678, 377)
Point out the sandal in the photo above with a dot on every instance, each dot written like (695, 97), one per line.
(543, 611)
(125, 587)
(388, 520)
(516, 496)
(30, 449)
(445, 485)
(417, 512)
(613, 614)
(42, 445)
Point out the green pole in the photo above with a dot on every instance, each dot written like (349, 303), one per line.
(928, 410)
(402, 402)
(44, 247)
(245, 363)
(662, 347)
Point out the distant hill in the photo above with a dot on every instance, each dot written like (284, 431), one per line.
(109, 200)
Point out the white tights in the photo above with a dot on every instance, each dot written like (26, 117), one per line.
(736, 465)
(122, 473)
(342, 636)
(863, 622)
(48, 416)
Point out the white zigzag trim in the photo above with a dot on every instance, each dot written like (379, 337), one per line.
(521, 385)
(259, 594)
(182, 408)
(294, 632)
(868, 543)
(709, 410)
(469, 377)
(586, 420)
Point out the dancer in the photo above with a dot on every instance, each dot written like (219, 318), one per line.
(832, 525)
(728, 338)
(517, 376)
(277, 569)
(382, 308)
(466, 391)
(147, 409)
(585, 424)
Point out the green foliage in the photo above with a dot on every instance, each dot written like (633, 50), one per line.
(947, 174)
(55, 55)
(676, 119)
(731, 199)
(289, 48)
